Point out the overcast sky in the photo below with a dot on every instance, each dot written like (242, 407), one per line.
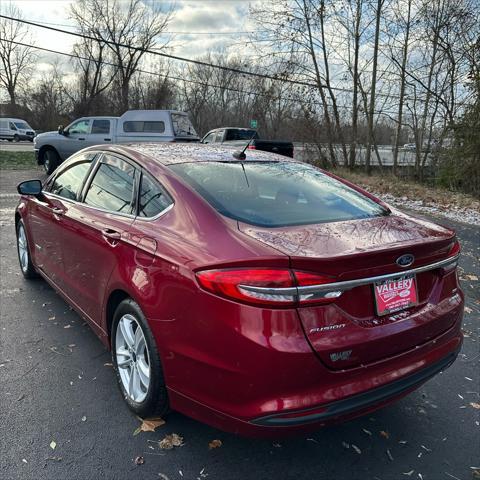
(206, 25)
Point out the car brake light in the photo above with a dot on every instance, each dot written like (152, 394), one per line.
(269, 287)
(453, 253)
(252, 147)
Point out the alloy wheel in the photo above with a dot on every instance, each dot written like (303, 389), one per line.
(22, 248)
(132, 357)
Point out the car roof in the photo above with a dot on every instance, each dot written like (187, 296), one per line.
(169, 153)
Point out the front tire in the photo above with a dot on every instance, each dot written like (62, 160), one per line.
(16, 138)
(51, 160)
(23, 250)
(137, 363)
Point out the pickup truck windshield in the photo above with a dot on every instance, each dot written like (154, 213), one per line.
(276, 194)
(182, 126)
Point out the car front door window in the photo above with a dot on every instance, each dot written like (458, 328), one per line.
(81, 127)
(68, 183)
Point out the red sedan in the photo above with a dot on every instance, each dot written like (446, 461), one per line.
(261, 295)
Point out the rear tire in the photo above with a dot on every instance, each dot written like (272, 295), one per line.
(140, 374)
(23, 250)
(51, 160)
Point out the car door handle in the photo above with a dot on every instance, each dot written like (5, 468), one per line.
(107, 139)
(111, 234)
(55, 210)
(81, 139)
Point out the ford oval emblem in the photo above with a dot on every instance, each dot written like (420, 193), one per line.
(405, 260)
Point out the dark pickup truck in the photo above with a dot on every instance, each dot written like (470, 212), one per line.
(240, 136)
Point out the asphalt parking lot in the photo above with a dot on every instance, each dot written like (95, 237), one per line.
(62, 417)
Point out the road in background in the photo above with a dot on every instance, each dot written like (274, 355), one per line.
(57, 385)
(6, 146)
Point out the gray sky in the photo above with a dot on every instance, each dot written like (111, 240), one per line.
(208, 26)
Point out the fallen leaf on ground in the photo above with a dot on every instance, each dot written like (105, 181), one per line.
(170, 441)
(472, 277)
(67, 326)
(84, 418)
(24, 460)
(468, 310)
(108, 364)
(475, 405)
(385, 434)
(139, 460)
(368, 432)
(214, 444)
(52, 318)
(408, 474)
(389, 455)
(357, 450)
(53, 444)
(149, 425)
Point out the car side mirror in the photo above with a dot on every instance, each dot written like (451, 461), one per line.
(30, 187)
(62, 131)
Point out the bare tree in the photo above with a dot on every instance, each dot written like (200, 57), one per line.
(128, 29)
(16, 58)
(96, 74)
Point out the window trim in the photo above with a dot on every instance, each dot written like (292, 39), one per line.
(96, 160)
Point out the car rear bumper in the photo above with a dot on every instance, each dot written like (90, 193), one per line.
(360, 402)
(368, 386)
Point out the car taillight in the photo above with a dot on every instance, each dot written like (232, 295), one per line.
(453, 253)
(269, 287)
(252, 147)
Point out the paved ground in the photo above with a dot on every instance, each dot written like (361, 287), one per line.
(25, 146)
(57, 385)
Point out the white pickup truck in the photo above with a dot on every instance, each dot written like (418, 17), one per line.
(134, 126)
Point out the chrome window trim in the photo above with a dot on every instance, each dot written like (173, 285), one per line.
(340, 287)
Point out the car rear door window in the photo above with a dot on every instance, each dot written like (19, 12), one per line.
(112, 187)
(153, 198)
(101, 127)
(68, 183)
(276, 194)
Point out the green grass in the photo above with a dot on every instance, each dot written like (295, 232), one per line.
(17, 160)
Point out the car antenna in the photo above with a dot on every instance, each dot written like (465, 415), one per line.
(240, 154)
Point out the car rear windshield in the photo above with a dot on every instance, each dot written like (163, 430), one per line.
(276, 194)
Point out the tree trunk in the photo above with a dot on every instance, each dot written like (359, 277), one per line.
(402, 91)
(371, 108)
(353, 143)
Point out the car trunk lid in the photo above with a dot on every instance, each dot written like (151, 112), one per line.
(348, 331)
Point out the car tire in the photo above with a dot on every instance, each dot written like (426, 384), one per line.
(16, 138)
(51, 160)
(23, 251)
(136, 351)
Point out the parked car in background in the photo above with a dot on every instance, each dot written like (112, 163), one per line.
(240, 136)
(15, 129)
(262, 296)
(51, 148)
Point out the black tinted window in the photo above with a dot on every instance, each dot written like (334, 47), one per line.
(144, 127)
(68, 183)
(241, 134)
(101, 126)
(153, 199)
(112, 186)
(275, 194)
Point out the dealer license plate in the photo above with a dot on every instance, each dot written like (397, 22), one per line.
(395, 294)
